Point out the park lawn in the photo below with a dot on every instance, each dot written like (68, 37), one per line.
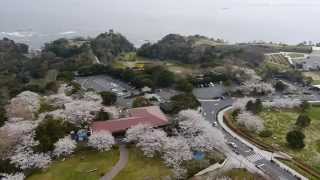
(281, 122)
(140, 167)
(76, 167)
(315, 77)
(296, 55)
(241, 174)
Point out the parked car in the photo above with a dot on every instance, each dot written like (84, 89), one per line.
(232, 144)
(214, 124)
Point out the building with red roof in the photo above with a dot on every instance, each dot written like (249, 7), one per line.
(151, 115)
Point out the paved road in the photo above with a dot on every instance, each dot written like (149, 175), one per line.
(120, 164)
(210, 108)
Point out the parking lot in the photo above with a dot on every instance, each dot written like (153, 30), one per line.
(105, 83)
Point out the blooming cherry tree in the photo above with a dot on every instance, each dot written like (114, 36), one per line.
(17, 176)
(283, 103)
(24, 156)
(240, 103)
(255, 87)
(102, 141)
(251, 122)
(198, 132)
(149, 140)
(64, 146)
(176, 151)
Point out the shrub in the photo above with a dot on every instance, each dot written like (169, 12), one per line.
(280, 86)
(46, 107)
(108, 98)
(3, 116)
(75, 88)
(265, 133)
(7, 167)
(65, 76)
(254, 106)
(305, 105)
(52, 86)
(141, 102)
(184, 85)
(50, 131)
(102, 115)
(295, 139)
(303, 121)
(184, 101)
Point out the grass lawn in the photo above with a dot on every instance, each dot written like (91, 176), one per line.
(241, 174)
(76, 167)
(281, 122)
(131, 60)
(140, 167)
(315, 77)
(298, 169)
(296, 55)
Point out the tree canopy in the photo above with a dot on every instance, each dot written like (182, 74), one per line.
(295, 139)
(108, 98)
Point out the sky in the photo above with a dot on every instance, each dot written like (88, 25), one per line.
(37, 21)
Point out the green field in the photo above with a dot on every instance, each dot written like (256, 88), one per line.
(241, 174)
(281, 122)
(315, 77)
(295, 55)
(131, 60)
(140, 167)
(77, 166)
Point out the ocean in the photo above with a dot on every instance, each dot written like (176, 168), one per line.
(38, 21)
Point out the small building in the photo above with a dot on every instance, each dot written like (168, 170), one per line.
(151, 115)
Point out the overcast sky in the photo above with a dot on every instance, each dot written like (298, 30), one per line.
(235, 20)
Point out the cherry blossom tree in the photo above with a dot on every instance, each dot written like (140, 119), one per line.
(64, 146)
(255, 87)
(287, 103)
(24, 156)
(176, 151)
(198, 132)
(23, 106)
(102, 140)
(251, 122)
(240, 103)
(17, 176)
(149, 140)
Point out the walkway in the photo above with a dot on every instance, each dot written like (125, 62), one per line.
(120, 164)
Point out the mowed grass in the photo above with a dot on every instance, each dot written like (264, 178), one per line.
(281, 122)
(315, 77)
(140, 167)
(77, 166)
(242, 174)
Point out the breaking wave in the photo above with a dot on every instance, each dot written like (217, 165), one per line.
(68, 33)
(18, 34)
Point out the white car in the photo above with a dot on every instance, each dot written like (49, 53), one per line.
(214, 124)
(232, 144)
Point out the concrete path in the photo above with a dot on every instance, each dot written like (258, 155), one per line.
(120, 164)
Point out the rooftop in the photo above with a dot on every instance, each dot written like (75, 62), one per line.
(151, 115)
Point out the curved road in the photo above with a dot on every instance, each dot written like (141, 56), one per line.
(211, 109)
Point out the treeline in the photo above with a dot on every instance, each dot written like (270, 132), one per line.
(154, 77)
(199, 49)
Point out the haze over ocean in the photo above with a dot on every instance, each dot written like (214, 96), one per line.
(39, 21)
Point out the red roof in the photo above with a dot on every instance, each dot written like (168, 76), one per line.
(151, 115)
